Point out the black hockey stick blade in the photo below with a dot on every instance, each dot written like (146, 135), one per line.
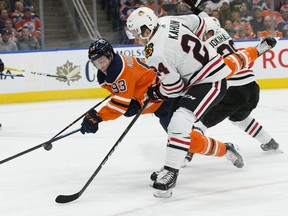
(72, 197)
(67, 198)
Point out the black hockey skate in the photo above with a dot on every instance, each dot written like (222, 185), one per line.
(232, 154)
(265, 45)
(271, 146)
(165, 182)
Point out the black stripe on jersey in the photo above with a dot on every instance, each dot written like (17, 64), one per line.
(168, 92)
(241, 78)
(177, 147)
(142, 63)
(251, 123)
(216, 70)
(260, 128)
(119, 104)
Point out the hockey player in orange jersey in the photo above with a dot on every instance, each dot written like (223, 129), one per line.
(127, 78)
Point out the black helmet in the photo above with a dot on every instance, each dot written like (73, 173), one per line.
(100, 47)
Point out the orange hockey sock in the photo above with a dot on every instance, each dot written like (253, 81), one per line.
(206, 145)
(240, 60)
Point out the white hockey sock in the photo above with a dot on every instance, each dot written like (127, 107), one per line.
(254, 129)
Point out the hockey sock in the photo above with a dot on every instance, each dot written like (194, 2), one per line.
(254, 129)
(240, 60)
(205, 145)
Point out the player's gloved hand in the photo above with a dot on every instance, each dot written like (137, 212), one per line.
(154, 94)
(1, 65)
(90, 122)
(133, 108)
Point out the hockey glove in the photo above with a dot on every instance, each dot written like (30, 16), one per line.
(1, 65)
(90, 122)
(154, 94)
(133, 108)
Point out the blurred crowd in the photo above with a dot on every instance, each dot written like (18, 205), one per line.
(242, 19)
(20, 27)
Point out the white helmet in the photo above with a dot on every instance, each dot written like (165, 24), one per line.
(142, 16)
(212, 23)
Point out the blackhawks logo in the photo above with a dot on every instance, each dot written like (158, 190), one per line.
(149, 50)
(70, 73)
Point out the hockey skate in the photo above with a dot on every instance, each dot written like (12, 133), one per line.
(265, 45)
(154, 176)
(271, 146)
(233, 155)
(165, 182)
(187, 159)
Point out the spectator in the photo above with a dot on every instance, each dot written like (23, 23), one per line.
(216, 13)
(5, 43)
(245, 13)
(115, 16)
(225, 12)
(215, 4)
(125, 10)
(207, 10)
(3, 17)
(17, 12)
(267, 11)
(283, 25)
(229, 28)
(31, 21)
(235, 17)
(151, 4)
(14, 34)
(257, 21)
(27, 41)
(241, 34)
(268, 29)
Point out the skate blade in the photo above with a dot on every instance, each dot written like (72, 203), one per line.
(163, 194)
(272, 151)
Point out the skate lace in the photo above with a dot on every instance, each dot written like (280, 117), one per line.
(231, 156)
(166, 178)
(264, 46)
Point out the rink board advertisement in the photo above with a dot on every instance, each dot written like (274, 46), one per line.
(67, 74)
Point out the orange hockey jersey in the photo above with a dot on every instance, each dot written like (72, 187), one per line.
(127, 77)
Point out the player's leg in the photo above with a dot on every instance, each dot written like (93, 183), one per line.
(197, 101)
(243, 58)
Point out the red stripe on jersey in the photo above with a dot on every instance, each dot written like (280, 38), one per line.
(209, 68)
(201, 28)
(244, 71)
(204, 106)
(179, 141)
(179, 87)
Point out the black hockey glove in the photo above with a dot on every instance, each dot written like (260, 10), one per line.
(90, 122)
(193, 5)
(154, 94)
(133, 108)
(1, 65)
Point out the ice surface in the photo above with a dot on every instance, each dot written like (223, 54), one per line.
(206, 187)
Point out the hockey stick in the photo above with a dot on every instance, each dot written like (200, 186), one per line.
(47, 145)
(34, 73)
(40, 145)
(69, 198)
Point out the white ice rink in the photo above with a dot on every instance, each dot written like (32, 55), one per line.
(207, 187)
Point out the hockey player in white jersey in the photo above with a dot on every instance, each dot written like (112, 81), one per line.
(188, 68)
(242, 95)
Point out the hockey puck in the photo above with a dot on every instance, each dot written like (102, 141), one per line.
(48, 146)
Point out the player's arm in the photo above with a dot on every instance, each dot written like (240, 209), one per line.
(170, 84)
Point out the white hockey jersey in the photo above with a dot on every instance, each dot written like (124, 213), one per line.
(181, 59)
(224, 45)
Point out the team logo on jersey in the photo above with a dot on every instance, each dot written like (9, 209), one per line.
(68, 73)
(149, 49)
